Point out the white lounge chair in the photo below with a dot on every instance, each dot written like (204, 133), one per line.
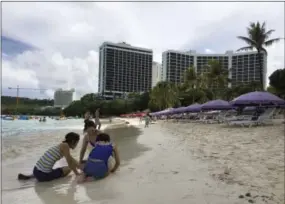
(265, 118)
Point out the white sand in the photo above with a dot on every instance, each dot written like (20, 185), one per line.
(250, 157)
(165, 174)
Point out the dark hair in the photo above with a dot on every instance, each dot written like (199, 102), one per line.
(88, 124)
(103, 137)
(71, 138)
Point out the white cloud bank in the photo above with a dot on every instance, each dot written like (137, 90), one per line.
(69, 35)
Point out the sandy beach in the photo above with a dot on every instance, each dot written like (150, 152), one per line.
(252, 158)
(166, 163)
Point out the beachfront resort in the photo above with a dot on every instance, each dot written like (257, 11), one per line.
(190, 109)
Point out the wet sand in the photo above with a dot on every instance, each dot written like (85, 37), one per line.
(252, 158)
(158, 167)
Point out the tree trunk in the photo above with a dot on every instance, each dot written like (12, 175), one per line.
(260, 69)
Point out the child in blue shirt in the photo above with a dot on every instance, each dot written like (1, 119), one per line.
(96, 166)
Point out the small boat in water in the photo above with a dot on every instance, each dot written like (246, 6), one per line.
(8, 118)
(23, 117)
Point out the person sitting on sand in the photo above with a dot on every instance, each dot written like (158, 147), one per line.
(90, 137)
(43, 170)
(96, 167)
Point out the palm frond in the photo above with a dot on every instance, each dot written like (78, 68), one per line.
(268, 33)
(245, 48)
(270, 42)
(247, 40)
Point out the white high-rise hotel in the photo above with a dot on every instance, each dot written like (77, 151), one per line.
(243, 67)
(63, 98)
(156, 73)
(124, 68)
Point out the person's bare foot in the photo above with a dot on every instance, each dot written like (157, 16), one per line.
(81, 178)
(88, 179)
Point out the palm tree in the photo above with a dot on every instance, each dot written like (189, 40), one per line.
(190, 77)
(217, 76)
(258, 38)
(164, 95)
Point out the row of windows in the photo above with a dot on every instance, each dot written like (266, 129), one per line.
(253, 56)
(128, 49)
(129, 88)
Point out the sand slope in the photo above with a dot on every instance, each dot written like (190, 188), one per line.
(250, 157)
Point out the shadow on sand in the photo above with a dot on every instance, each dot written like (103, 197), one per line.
(126, 140)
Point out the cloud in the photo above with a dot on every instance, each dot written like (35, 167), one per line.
(68, 35)
(50, 71)
(208, 51)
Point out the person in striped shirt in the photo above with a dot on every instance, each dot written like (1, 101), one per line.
(43, 170)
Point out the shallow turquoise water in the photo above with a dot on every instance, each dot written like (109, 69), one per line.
(22, 127)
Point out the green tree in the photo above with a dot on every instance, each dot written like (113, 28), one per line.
(76, 108)
(190, 78)
(258, 37)
(277, 81)
(217, 77)
(164, 95)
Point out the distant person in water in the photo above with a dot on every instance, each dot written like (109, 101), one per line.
(87, 117)
(96, 166)
(43, 170)
(97, 118)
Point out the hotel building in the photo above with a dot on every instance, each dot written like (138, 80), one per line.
(243, 67)
(156, 73)
(63, 98)
(124, 69)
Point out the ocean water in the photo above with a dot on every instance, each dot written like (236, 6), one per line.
(24, 127)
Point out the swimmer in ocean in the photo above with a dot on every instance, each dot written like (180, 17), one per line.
(96, 166)
(44, 171)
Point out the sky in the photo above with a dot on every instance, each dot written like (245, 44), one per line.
(50, 45)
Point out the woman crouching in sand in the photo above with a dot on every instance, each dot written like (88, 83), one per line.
(90, 136)
(96, 167)
(43, 170)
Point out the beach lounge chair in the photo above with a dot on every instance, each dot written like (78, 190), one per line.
(263, 119)
(227, 120)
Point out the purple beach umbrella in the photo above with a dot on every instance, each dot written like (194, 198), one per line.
(217, 105)
(178, 110)
(194, 108)
(258, 98)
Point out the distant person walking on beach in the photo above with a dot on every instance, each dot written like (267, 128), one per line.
(147, 120)
(97, 165)
(97, 119)
(43, 170)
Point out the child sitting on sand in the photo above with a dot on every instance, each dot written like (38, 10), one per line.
(96, 166)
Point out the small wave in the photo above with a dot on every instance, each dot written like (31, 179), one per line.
(11, 152)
